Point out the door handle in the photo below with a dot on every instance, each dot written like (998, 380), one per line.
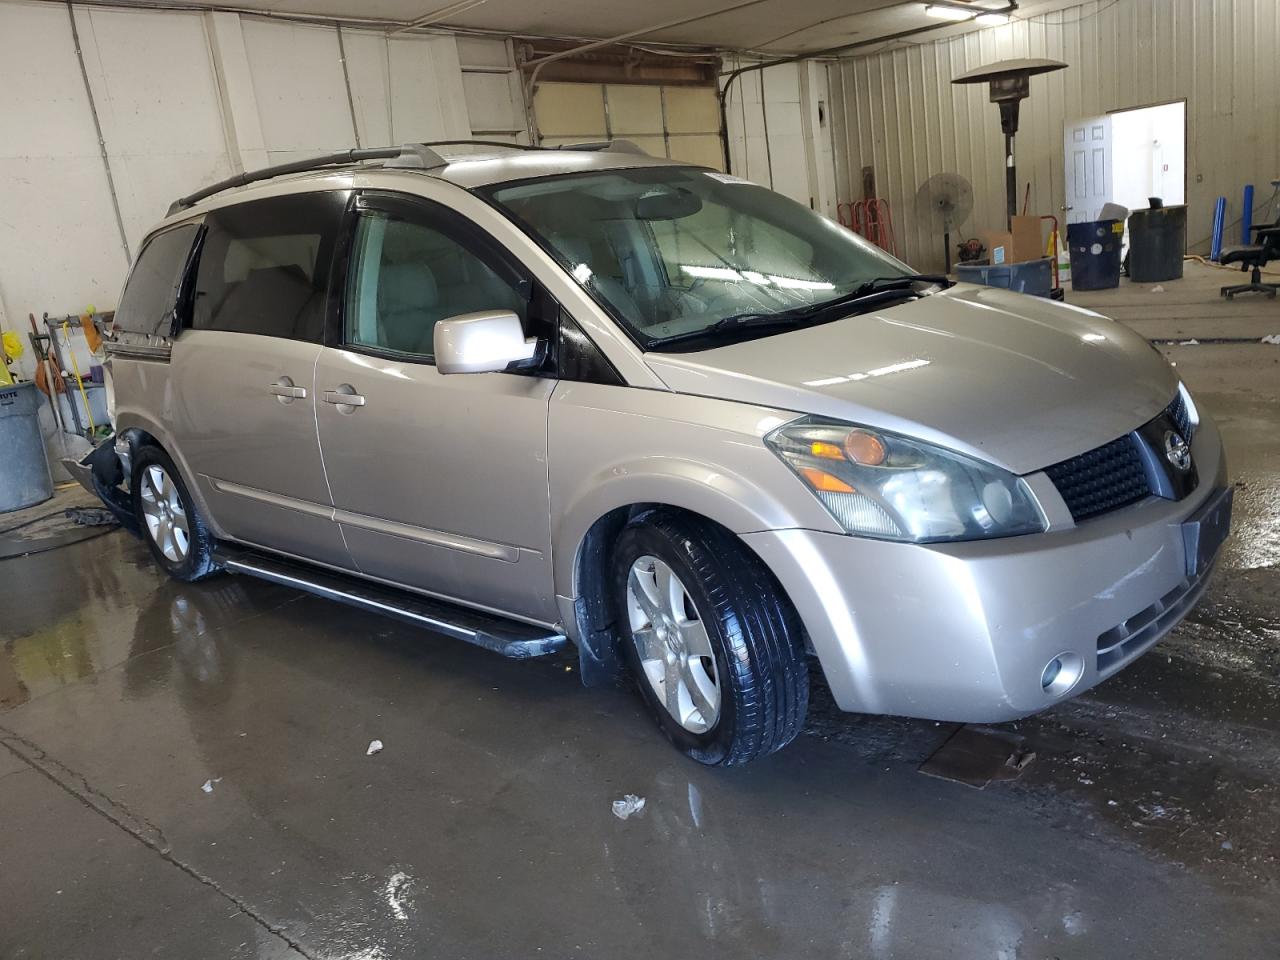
(287, 391)
(344, 396)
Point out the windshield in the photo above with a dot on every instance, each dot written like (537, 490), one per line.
(675, 251)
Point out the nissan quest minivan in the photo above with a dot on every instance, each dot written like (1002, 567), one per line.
(532, 397)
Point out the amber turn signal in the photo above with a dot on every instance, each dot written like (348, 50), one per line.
(825, 451)
(824, 482)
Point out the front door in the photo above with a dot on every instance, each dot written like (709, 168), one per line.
(439, 482)
(1088, 168)
(243, 407)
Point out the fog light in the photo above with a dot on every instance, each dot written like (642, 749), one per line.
(1061, 673)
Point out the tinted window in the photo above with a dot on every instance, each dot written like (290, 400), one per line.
(405, 277)
(264, 267)
(151, 295)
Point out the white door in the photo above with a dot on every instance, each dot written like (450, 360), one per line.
(1088, 168)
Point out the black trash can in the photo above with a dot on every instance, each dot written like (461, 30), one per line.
(1095, 254)
(1157, 242)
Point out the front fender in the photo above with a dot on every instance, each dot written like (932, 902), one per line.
(648, 447)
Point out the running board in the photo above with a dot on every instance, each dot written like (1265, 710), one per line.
(509, 638)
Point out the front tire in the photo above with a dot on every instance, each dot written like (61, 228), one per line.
(167, 516)
(710, 639)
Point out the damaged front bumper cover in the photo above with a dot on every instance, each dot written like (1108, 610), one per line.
(102, 472)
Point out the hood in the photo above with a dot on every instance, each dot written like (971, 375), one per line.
(1018, 381)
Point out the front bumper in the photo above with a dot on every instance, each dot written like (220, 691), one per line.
(963, 632)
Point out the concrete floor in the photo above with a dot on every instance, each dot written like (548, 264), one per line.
(1147, 826)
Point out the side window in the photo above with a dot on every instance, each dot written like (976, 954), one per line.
(151, 296)
(405, 276)
(264, 267)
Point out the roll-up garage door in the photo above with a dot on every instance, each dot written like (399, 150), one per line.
(680, 122)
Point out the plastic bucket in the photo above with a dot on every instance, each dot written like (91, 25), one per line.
(1157, 242)
(1095, 254)
(24, 468)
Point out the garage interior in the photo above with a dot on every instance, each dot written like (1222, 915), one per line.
(234, 768)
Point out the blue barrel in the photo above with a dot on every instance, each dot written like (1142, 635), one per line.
(24, 468)
(1031, 276)
(1095, 254)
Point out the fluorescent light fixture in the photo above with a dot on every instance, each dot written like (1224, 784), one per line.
(992, 19)
(945, 11)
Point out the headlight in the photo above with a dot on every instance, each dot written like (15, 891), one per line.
(882, 485)
(1193, 413)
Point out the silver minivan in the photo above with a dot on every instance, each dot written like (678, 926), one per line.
(533, 397)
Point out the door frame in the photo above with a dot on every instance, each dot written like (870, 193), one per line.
(542, 314)
(1186, 135)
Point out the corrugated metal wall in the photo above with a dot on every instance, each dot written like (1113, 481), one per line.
(898, 112)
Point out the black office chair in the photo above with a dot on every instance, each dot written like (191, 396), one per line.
(1253, 257)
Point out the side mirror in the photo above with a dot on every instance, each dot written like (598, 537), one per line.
(484, 342)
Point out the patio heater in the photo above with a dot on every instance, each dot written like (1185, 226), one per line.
(1010, 83)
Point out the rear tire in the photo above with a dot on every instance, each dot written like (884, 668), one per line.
(712, 642)
(167, 516)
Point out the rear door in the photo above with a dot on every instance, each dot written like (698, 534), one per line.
(439, 482)
(243, 410)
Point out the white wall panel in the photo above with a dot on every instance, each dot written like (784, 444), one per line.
(899, 113)
(185, 99)
(299, 88)
(369, 73)
(162, 137)
(60, 248)
(427, 99)
(775, 137)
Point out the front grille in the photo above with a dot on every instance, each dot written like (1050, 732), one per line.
(1182, 417)
(1113, 476)
(1126, 640)
(1104, 479)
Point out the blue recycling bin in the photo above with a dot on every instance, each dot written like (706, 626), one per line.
(1095, 254)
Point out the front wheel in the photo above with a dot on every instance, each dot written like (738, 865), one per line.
(172, 527)
(713, 644)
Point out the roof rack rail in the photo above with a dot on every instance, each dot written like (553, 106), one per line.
(614, 146)
(412, 156)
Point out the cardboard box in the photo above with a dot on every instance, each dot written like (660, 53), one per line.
(1027, 244)
(1018, 245)
(999, 246)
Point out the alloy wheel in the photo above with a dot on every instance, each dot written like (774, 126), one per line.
(162, 509)
(672, 642)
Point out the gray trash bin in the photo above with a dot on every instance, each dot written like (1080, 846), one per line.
(24, 468)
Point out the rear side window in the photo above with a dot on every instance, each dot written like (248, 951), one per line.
(264, 266)
(151, 296)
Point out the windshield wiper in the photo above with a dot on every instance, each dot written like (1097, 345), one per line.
(737, 321)
(876, 284)
(812, 313)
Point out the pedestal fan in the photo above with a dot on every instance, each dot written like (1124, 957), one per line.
(946, 199)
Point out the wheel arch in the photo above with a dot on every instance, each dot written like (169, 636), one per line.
(585, 536)
(140, 429)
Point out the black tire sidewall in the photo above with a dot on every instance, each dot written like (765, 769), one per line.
(188, 568)
(645, 540)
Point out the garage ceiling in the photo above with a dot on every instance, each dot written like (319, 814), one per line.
(779, 26)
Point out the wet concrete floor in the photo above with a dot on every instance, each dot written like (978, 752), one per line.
(1147, 826)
